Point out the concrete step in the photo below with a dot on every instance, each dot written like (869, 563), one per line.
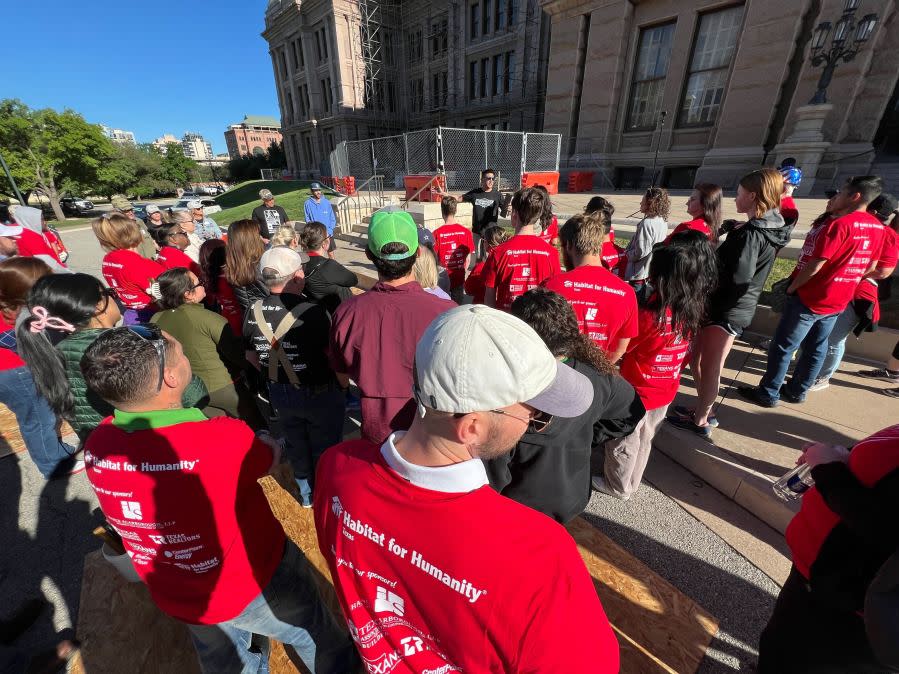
(361, 228)
(359, 239)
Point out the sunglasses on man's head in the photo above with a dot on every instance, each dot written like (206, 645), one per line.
(152, 334)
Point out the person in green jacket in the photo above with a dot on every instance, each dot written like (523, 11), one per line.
(215, 353)
(79, 309)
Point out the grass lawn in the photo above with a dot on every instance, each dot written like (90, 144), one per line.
(69, 223)
(238, 203)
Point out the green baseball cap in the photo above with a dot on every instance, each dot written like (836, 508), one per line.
(392, 226)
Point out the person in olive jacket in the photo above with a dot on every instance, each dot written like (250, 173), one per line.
(327, 281)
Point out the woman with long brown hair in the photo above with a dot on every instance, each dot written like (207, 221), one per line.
(744, 262)
(242, 255)
(704, 207)
(37, 422)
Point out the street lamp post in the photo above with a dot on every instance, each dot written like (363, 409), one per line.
(847, 39)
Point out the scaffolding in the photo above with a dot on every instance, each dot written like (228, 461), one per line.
(374, 18)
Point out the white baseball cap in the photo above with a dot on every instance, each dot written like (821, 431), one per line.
(10, 230)
(281, 262)
(474, 359)
(195, 203)
(152, 208)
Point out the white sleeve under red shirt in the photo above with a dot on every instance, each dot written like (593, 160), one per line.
(453, 243)
(521, 263)
(605, 306)
(654, 360)
(131, 276)
(696, 224)
(452, 577)
(192, 517)
(551, 233)
(848, 245)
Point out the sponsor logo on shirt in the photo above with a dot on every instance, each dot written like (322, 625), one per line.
(383, 664)
(591, 314)
(131, 510)
(389, 602)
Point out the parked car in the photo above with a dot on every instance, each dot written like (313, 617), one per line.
(140, 210)
(209, 205)
(75, 206)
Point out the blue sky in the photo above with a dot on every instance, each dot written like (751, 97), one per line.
(148, 67)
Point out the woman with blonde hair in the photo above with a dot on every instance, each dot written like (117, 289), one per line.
(242, 255)
(286, 236)
(426, 272)
(125, 270)
(744, 262)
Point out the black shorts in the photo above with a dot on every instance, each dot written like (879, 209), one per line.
(727, 327)
(333, 246)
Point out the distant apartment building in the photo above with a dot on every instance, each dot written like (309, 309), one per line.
(162, 143)
(195, 147)
(252, 136)
(477, 64)
(118, 135)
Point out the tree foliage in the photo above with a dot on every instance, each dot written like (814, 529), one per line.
(246, 167)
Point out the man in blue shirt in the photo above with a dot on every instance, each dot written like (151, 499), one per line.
(318, 209)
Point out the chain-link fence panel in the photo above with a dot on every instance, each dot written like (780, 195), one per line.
(504, 156)
(337, 161)
(389, 158)
(464, 155)
(542, 152)
(359, 159)
(421, 152)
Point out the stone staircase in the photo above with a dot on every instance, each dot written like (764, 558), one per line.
(425, 214)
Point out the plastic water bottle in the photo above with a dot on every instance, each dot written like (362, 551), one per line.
(795, 483)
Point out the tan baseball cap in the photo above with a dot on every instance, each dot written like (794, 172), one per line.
(474, 358)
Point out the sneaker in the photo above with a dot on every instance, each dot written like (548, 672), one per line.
(685, 412)
(305, 492)
(754, 395)
(599, 484)
(704, 432)
(892, 392)
(819, 385)
(879, 373)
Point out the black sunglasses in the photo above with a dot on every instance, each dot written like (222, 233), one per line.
(152, 334)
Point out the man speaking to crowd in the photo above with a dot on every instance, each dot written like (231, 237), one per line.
(433, 567)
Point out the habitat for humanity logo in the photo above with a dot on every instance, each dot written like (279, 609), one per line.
(336, 506)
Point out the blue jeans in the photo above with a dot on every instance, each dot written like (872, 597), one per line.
(289, 610)
(836, 343)
(37, 422)
(799, 326)
(309, 421)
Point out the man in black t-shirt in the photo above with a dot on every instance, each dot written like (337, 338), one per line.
(488, 203)
(269, 216)
(287, 336)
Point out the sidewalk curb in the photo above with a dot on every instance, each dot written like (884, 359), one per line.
(742, 485)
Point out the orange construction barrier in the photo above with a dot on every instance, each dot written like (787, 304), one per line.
(349, 183)
(580, 181)
(549, 179)
(415, 182)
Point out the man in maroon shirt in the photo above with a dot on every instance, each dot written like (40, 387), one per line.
(373, 336)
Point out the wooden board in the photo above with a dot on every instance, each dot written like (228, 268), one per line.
(10, 438)
(659, 628)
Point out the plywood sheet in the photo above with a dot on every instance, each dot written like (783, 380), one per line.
(10, 438)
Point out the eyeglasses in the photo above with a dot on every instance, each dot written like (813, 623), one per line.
(490, 178)
(153, 334)
(536, 423)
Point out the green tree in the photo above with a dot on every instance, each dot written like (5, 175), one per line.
(176, 167)
(53, 151)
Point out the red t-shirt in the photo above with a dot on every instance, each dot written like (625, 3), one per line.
(697, 224)
(521, 263)
(605, 306)
(474, 284)
(453, 581)
(613, 258)
(373, 340)
(185, 500)
(654, 359)
(551, 233)
(131, 276)
(788, 209)
(228, 305)
(889, 257)
(31, 243)
(9, 359)
(170, 257)
(848, 244)
(453, 243)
